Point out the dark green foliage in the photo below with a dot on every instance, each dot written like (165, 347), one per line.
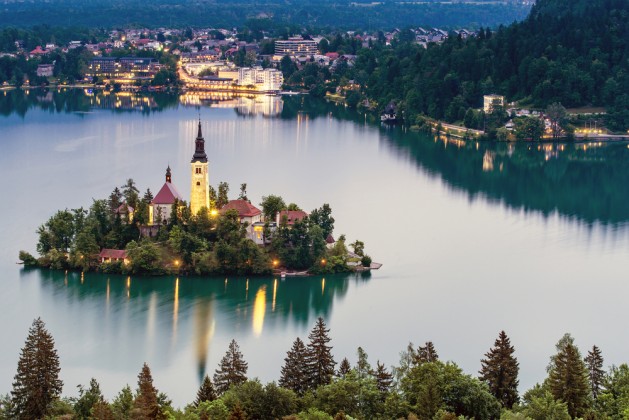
(568, 377)
(237, 413)
(206, 391)
(122, 405)
(322, 217)
(294, 375)
(88, 398)
(319, 360)
(384, 379)
(344, 368)
(36, 385)
(433, 386)
(427, 353)
(596, 374)
(500, 371)
(146, 405)
(232, 369)
(27, 259)
(271, 205)
(261, 402)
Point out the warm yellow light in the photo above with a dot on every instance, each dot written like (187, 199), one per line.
(275, 263)
(213, 212)
(176, 263)
(323, 261)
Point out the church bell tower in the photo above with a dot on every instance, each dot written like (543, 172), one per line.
(200, 177)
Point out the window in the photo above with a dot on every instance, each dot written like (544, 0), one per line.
(197, 170)
(198, 183)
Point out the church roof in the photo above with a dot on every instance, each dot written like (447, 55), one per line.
(167, 195)
(292, 216)
(243, 207)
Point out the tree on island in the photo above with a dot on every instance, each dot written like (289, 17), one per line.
(344, 368)
(271, 205)
(88, 398)
(500, 371)
(319, 360)
(223, 194)
(36, 384)
(384, 379)
(232, 369)
(243, 192)
(596, 374)
(206, 392)
(322, 217)
(294, 375)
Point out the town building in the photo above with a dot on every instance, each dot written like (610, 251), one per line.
(489, 101)
(123, 68)
(247, 212)
(295, 47)
(113, 255)
(45, 70)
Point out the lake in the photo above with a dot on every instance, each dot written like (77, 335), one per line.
(474, 238)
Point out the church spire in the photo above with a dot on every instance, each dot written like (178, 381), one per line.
(199, 149)
(168, 176)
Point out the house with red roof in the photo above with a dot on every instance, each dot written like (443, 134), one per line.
(113, 255)
(161, 206)
(291, 216)
(38, 51)
(247, 212)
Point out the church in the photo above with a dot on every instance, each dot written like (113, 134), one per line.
(160, 207)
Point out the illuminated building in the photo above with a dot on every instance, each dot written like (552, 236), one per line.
(295, 47)
(199, 176)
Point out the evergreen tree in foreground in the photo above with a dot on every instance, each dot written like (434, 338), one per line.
(344, 368)
(384, 379)
(145, 405)
(500, 371)
(294, 373)
(319, 361)
(596, 374)
(88, 398)
(568, 377)
(427, 353)
(232, 369)
(36, 384)
(206, 392)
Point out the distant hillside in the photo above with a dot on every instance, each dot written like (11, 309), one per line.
(229, 13)
(573, 52)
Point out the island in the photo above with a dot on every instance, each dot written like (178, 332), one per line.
(210, 234)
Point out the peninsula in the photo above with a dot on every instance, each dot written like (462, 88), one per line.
(210, 234)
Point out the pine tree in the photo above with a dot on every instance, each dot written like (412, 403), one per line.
(344, 368)
(145, 405)
(319, 361)
(232, 369)
(568, 377)
(500, 371)
(87, 399)
(206, 392)
(384, 379)
(596, 374)
(363, 368)
(294, 373)
(427, 353)
(36, 384)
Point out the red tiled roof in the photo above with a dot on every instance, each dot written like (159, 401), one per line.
(115, 254)
(123, 209)
(167, 195)
(329, 239)
(292, 215)
(243, 207)
(332, 55)
(38, 50)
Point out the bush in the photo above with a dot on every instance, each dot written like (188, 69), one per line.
(366, 261)
(27, 259)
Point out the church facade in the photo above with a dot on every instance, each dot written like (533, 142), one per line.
(199, 176)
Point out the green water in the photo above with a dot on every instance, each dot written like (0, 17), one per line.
(474, 238)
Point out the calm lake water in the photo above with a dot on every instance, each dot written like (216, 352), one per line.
(474, 238)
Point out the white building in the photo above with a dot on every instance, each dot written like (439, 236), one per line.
(489, 101)
(263, 79)
(295, 47)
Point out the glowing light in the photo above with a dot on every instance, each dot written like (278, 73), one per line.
(259, 309)
(322, 286)
(274, 293)
(214, 213)
(176, 263)
(323, 261)
(275, 263)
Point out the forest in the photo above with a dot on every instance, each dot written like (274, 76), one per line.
(343, 15)
(312, 385)
(571, 53)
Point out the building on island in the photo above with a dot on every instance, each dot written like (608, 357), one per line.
(112, 255)
(247, 212)
(199, 176)
(291, 216)
(489, 101)
(161, 206)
